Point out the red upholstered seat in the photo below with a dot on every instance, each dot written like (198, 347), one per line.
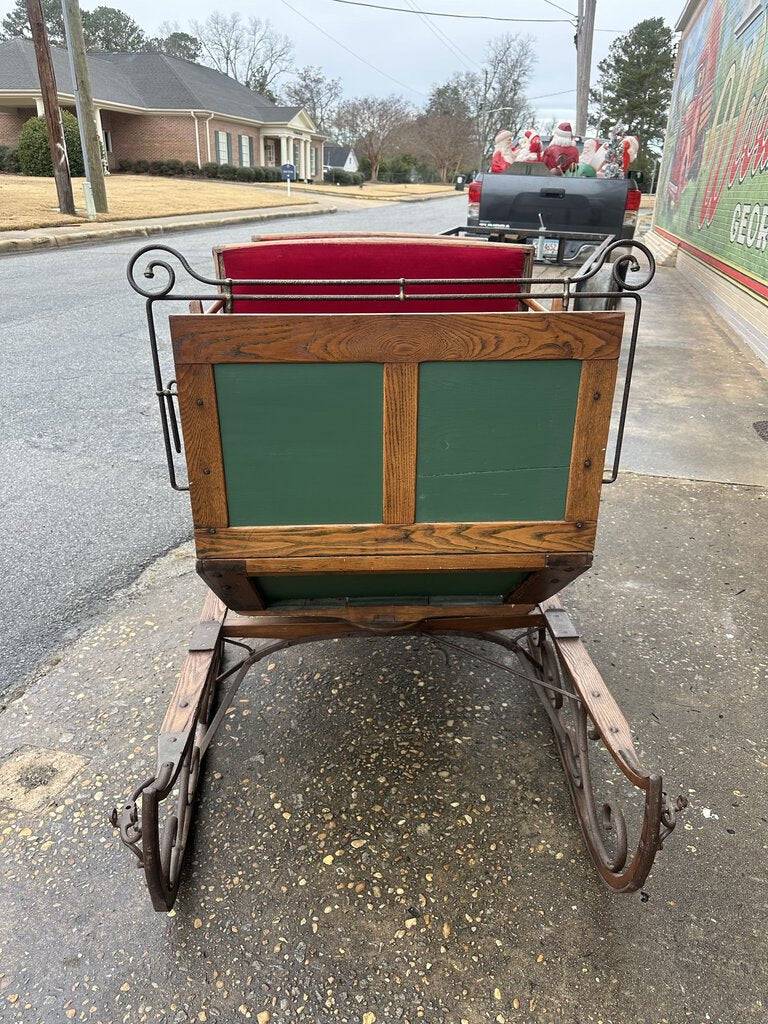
(359, 256)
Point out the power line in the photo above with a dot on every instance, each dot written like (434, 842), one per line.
(442, 37)
(356, 55)
(471, 17)
(546, 95)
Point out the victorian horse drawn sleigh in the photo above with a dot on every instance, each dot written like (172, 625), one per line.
(392, 435)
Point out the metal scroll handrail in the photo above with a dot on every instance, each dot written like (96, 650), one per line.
(152, 261)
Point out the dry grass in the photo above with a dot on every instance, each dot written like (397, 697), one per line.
(379, 191)
(27, 203)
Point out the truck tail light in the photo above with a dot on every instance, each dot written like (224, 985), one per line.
(631, 207)
(473, 196)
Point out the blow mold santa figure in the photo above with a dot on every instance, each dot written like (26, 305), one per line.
(561, 154)
(503, 152)
(529, 150)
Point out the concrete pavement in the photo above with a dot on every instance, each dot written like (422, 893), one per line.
(466, 895)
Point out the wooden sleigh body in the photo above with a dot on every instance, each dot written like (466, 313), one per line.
(388, 435)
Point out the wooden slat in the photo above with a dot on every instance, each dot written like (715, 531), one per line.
(331, 622)
(606, 713)
(558, 573)
(230, 580)
(401, 410)
(202, 444)
(394, 337)
(590, 438)
(189, 686)
(353, 564)
(419, 538)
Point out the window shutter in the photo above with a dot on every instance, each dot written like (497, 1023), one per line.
(250, 150)
(229, 148)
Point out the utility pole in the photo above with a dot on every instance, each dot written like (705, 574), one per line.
(51, 107)
(585, 30)
(86, 113)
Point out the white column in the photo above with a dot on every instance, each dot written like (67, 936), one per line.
(308, 159)
(301, 171)
(39, 105)
(284, 159)
(262, 158)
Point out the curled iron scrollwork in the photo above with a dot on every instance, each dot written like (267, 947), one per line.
(155, 263)
(623, 264)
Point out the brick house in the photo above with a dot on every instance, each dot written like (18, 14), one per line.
(150, 106)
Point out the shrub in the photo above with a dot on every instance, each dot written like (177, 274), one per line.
(245, 174)
(141, 167)
(338, 176)
(228, 172)
(35, 152)
(272, 174)
(174, 167)
(9, 160)
(259, 173)
(211, 170)
(126, 166)
(191, 169)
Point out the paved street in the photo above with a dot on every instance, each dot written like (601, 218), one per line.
(384, 832)
(85, 505)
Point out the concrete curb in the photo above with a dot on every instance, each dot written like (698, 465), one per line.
(131, 230)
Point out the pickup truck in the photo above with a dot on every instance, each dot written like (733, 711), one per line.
(565, 217)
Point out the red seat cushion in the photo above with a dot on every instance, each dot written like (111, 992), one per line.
(368, 257)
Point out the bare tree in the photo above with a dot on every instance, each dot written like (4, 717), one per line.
(251, 51)
(374, 125)
(318, 95)
(444, 141)
(493, 98)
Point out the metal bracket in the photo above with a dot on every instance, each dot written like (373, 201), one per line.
(560, 625)
(205, 636)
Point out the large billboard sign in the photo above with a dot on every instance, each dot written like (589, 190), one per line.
(713, 185)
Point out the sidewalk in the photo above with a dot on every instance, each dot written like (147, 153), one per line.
(466, 896)
(58, 237)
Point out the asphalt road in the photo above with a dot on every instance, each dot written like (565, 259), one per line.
(85, 504)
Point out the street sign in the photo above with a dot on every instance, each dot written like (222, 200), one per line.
(288, 172)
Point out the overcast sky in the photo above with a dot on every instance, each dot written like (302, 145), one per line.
(403, 47)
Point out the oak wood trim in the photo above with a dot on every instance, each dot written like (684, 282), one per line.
(384, 539)
(202, 444)
(394, 337)
(355, 564)
(590, 439)
(331, 622)
(401, 410)
(606, 713)
(559, 571)
(535, 305)
(230, 580)
(197, 665)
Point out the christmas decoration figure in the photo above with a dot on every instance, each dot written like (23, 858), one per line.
(503, 152)
(529, 150)
(561, 154)
(614, 154)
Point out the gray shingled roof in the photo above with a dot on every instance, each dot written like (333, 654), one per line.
(149, 80)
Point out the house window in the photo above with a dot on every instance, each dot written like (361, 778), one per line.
(245, 145)
(223, 147)
(269, 152)
(312, 161)
(107, 140)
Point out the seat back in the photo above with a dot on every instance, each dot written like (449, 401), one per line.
(349, 452)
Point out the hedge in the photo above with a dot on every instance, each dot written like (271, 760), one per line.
(9, 160)
(34, 150)
(175, 168)
(337, 176)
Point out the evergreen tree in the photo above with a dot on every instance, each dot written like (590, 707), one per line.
(634, 88)
(16, 23)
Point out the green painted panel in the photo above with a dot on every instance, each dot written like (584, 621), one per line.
(368, 587)
(495, 439)
(302, 444)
